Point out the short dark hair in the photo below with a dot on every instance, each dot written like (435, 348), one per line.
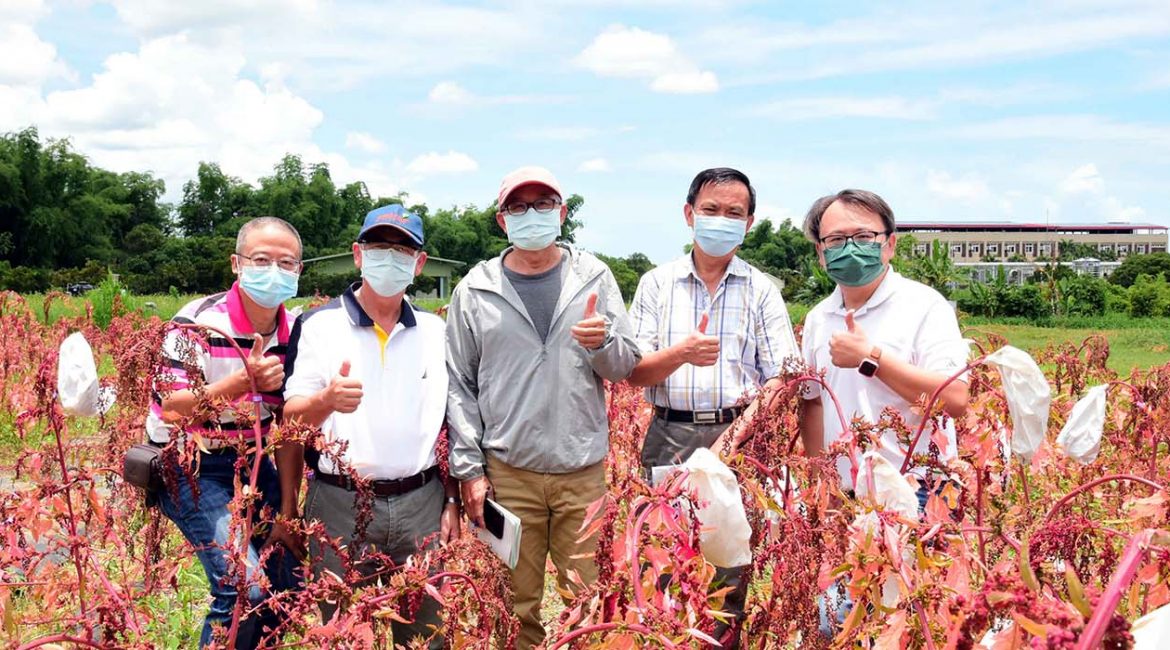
(719, 176)
(857, 198)
(262, 222)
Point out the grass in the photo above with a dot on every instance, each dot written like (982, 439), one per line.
(1142, 346)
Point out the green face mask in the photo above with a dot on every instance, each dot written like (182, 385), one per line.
(854, 265)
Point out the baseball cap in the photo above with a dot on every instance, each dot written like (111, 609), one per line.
(394, 216)
(530, 175)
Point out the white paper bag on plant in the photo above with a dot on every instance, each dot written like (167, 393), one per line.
(891, 490)
(1080, 437)
(725, 538)
(1028, 397)
(77, 379)
(1152, 631)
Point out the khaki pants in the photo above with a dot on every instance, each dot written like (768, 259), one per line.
(551, 508)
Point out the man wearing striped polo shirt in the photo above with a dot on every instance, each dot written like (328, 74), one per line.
(267, 262)
(714, 332)
(369, 368)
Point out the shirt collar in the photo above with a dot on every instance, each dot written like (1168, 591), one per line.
(239, 317)
(883, 293)
(686, 267)
(359, 317)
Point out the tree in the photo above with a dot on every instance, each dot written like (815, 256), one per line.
(935, 269)
(1137, 265)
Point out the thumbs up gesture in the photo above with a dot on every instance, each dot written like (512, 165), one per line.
(344, 393)
(268, 371)
(699, 349)
(590, 331)
(847, 349)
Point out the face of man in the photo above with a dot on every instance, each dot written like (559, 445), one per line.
(731, 200)
(269, 245)
(386, 239)
(534, 195)
(843, 220)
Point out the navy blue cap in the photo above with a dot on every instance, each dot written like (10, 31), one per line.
(395, 216)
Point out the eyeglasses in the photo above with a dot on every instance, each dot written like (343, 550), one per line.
(543, 206)
(386, 247)
(862, 238)
(263, 262)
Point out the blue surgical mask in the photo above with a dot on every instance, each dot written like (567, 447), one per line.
(388, 272)
(270, 286)
(718, 236)
(533, 231)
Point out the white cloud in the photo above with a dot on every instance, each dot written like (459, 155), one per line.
(364, 142)
(634, 53)
(596, 165)
(25, 59)
(965, 188)
(1065, 127)
(1083, 179)
(812, 108)
(449, 92)
(1115, 211)
(434, 162)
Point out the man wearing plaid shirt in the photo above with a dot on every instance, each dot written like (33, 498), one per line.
(714, 333)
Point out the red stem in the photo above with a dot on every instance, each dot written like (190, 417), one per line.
(1092, 484)
(74, 540)
(246, 537)
(930, 406)
(59, 638)
(1135, 552)
(606, 627)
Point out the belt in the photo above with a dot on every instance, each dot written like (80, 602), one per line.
(717, 416)
(218, 445)
(382, 488)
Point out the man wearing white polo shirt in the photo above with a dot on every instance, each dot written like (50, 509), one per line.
(369, 368)
(882, 340)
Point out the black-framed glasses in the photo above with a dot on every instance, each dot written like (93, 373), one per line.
(543, 206)
(264, 262)
(861, 238)
(385, 247)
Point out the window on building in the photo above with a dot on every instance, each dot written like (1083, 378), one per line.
(1045, 250)
(1009, 249)
(1030, 250)
(956, 250)
(1105, 248)
(1123, 249)
(993, 250)
(1140, 249)
(920, 249)
(974, 250)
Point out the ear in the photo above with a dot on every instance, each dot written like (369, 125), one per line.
(750, 220)
(502, 222)
(689, 215)
(820, 248)
(890, 248)
(564, 213)
(357, 255)
(420, 263)
(235, 264)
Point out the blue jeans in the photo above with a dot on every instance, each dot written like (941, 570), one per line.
(205, 522)
(837, 596)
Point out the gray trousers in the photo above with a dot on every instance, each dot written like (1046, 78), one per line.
(671, 443)
(399, 527)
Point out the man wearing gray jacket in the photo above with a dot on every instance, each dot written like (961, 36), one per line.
(531, 334)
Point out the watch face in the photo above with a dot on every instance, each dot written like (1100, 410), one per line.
(868, 367)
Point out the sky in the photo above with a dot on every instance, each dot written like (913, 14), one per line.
(1004, 111)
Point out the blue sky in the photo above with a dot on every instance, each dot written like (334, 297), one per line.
(985, 111)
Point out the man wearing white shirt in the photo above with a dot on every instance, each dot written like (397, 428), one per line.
(714, 334)
(882, 340)
(370, 369)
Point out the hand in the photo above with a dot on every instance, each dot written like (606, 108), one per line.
(283, 532)
(727, 442)
(267, 371)
(343, 394)
(847, 349)
(698, 349)
(449, 523)
(474, 492)
(590, 330)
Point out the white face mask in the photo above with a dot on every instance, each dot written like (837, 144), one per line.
(388, 272)
(533, 231)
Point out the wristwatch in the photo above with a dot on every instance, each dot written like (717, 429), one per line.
(454, 500)
(869, 365)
